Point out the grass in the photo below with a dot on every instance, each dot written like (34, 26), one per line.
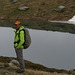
(36, 72)
(28, 72)
(30, 69)
(29, 65)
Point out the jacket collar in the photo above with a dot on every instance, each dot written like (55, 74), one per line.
(21, 27)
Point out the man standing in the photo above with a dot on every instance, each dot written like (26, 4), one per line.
(18, 45)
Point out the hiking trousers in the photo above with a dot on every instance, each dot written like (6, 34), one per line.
(19, 54)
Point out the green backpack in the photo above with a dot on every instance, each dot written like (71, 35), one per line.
(27, 38)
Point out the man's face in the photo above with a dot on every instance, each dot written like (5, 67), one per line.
(17, 26)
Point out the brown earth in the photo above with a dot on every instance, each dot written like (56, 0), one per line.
(38, 9)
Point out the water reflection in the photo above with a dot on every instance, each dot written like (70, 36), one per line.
(52, 49)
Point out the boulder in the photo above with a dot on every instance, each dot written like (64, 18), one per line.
(61, 8)
(23, 8)
(14, 62)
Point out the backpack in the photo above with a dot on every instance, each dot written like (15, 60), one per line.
(27, 38)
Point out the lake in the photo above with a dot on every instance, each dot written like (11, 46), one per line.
(51, 49)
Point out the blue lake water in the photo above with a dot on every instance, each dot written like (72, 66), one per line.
(51, 49)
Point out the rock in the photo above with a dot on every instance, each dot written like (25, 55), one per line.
(23, 8)
(66, 15)
(11, 64)
(43, 3)
(61, 8)
(2, 66)
(14, 62)
(72, 72)
(73, 6)
(14, 1)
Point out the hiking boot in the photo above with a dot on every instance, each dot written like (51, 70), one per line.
(20, 71)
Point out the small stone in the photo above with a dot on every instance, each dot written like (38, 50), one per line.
(61, 8)
(14, 1)
(23, 8)
(66, 15)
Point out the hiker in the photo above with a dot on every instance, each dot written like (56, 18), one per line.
(18, 45)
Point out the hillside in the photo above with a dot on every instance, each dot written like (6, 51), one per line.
(30, 69)
(38, 9)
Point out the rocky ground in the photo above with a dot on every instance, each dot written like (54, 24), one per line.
(37, 9)
(10, 69)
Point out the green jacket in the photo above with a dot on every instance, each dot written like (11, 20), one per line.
(19, 38)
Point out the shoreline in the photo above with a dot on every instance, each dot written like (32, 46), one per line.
(33, 66)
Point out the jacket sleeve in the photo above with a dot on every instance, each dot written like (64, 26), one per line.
(21, 39)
